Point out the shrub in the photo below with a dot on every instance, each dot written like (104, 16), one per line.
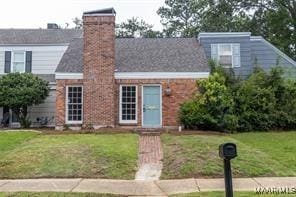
(263, 101)
(20, 90)
(209, 109)
(255, 103)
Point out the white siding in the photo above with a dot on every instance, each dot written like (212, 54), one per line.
(2, 59)
(44, 58)
(46, 109)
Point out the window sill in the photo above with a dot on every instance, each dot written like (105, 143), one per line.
(74, 123)
(128, 123)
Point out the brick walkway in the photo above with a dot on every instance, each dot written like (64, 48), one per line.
(150, 158)
(150, 150)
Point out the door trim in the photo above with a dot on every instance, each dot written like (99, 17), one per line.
(142, 104)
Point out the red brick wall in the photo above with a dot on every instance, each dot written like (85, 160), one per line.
(101, 91)
(61, 99)
(181, 90)
(99, 66)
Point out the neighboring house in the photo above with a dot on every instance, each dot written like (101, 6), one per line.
(100, 81)
(38, 51)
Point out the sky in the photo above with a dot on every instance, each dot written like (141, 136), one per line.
(37, 13)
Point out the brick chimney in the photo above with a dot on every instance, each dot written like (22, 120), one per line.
(99, 67)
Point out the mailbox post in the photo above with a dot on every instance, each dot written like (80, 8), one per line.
(227, 152)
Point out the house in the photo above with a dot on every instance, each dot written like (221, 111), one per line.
(98, 80)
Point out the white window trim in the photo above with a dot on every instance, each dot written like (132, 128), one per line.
(232, 57)
(120, 107)
(218, 54)
(66, 102)
(12, 60)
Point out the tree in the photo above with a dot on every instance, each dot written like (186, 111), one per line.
(224, 16)
(20, 90)
(136, 27)
(180, 17)
(78, 23)
(275, 20)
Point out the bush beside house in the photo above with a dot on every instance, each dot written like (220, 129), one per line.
(19, 91)
(264, 101)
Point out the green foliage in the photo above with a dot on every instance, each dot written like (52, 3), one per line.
(179, 18)
(275, 20)
(20, 90)
(255, 103)
(212, 109)
(264, 101)
(136, 27)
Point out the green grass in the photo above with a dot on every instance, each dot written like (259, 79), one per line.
(199, 194)
(259, 154)
(33, 155)
(9, 140)
(54, 194)
(236, 194)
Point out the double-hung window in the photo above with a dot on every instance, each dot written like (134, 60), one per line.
(226, 54)
(74, 104)
(128, 104)
(18, 61)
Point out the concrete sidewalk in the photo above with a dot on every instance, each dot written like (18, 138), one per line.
(141, 188)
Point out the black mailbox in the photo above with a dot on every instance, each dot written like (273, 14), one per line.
(227, 151)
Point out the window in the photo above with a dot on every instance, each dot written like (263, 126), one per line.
(227, 55)
(74, 104)
(18, 62)
(128, 104)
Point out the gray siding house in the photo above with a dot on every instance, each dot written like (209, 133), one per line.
(45, 48)
(40, 51)
(241, 51)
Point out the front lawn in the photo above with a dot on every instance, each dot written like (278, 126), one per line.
(259, 154)
(236, 194)
(33, 155)
(55, 194)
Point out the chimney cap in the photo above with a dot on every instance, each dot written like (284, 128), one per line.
(103, 12)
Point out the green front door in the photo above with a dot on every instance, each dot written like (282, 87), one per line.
(151, 106)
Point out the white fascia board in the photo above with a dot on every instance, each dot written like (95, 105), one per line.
(279, 52)
(222, 34)
(68, 75)
(36, 44)
(161, 75)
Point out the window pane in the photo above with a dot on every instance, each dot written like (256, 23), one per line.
(225, 55)
(225, 49)
(128, 103)
(18, 67)
(74, 103)
(226, 60)
(18, 56)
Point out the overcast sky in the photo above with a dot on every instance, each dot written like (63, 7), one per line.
(37, 13)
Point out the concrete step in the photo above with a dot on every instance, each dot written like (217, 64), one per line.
(149, 132)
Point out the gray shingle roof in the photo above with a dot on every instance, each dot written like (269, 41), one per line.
(72, 60)
(144, 55)
(38, 36)
(47, 77)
